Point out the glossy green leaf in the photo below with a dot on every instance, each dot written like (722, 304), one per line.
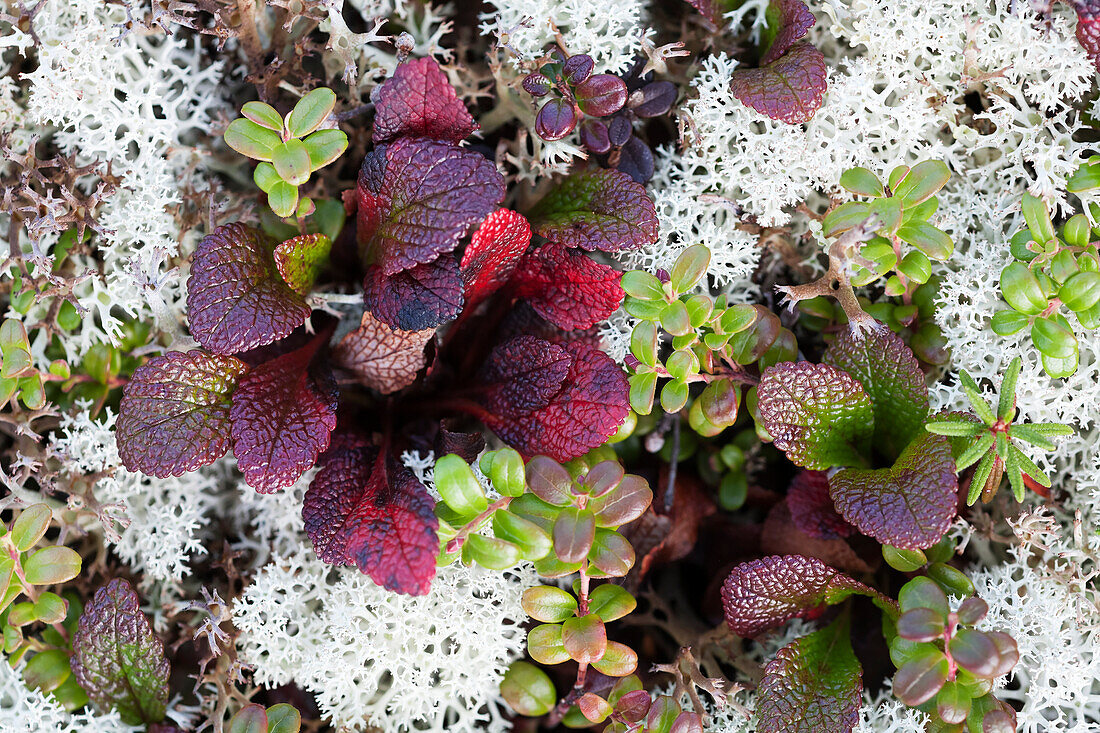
(252, 140)
(283, 718)
(458, 487)
(690, 267)
(928, 239)
(263, 115)
(47, 670)
(922, 182)
(611, 554)
(618, 660)
(532, 541)
(324, 147)
(283, 199)
(30, 526)
(490, 552)
(291, 161)
(545, 646)
(528, 689)
(549, 604)
(310, 111)
(862, 181)
(51, 565)
(611, 602)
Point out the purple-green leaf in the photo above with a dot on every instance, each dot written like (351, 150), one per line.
(117, 658)
(789, 89)
(300, 259)
(596, 209)
(909, 505)
(814, 684)
(819, 415)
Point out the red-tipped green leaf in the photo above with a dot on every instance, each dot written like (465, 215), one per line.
(380, 357)
(585, 412)
(596, 209)
(890, 375)
(174, 415)
(492, 254)
(117, 658)
(818, 414)
(416, 299)
(813, 684)
(300, 259)
(569, 289)
(419, 101)
(762, 594)
(789, 89)
(418, 198)
(236, 299)
(282, 418)
(909, 505)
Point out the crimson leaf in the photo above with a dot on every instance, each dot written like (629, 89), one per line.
(364, 507)
(380, 357)
(174, 414)
(282, 418)
(816, 413)
(909, 505)
(813, 684)
(416, 299)
(812, 509)
(117, 658)
(568, 289)
(1088, 27)
(789, 89)
(585, 412)
(525, 374)
(889, 373)
(236, 298)
(710, 11)
(300, 259)
(795, 20)
(762, 594)
(597, 209)
(492, 254)
(419, 101)
(417, 198)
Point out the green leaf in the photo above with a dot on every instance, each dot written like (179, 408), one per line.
(266, 177)
(819, 415)
(505, 470)
(251, 718)
(928, 239)
(300, 259)
(611, 602)
(263, 115)
(862, 181)
(51, 608)
(1054, 337)
(1028, 466)
(689, 268)
(890, 375)
(922, 182)
(51, 565)
(117, 658)
(324, 147)
(1008, 322)
(47, 670)
(29, 527)
(458, 487)
(490, 552)
(584, 637)
(291, 161)
(283, 199)
(533, 542)
(251, 140)
(980, 476)
(973, 393)
(283, 718)
(1021, 290)
(1006, 406)
(1039, 433)
(642, 285)
(528, 690)
(611, 554)
(955, 428)
(618, 660)
(814, 684)
(974, 451)
(544, 644)
(844, 217)
(549, 604)
(310, 111)
(1037, 217)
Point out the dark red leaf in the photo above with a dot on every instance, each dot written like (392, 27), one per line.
(594, 136)
(762, 594)
(789, 89)
(380, 357)
(795, 21)
(909, 505)
(282, 419)
(586, 411)
(556, 119)
(419, 101)
(492, 254)
(601, 95)
(781, 536)
(416, 299)
(654, 99)
(812, 509)
(636, 160)
(467, 446)
(418, 198)
(596, 209)
(569, 289)
(1088, 27)
(524, 374)
(174, 415)
(710, 11)
(236, 298)
(365, 507)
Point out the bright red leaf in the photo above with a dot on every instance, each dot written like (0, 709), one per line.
(585, 412)
(789, 89)
(418, 198)
(236, 298)
(282, 418)
(597, 209)
(416, 299)
(174, 415)
(493, 253)
(812, 509)
(569, 289)
(418, 101)
(1088, 27)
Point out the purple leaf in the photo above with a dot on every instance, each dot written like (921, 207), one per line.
(525, 374)
(819, 415)
(117, 658)
(236, 298)
(813, 684)
(174, 415)
(417, 198)
(418, 101)
(596, 209)
(1088, 27)
(556, 119)
(909, 505)
(762, 594)
(795, 21)
(812, 509)
(789, 89)
(282, 418)
(416, 299)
